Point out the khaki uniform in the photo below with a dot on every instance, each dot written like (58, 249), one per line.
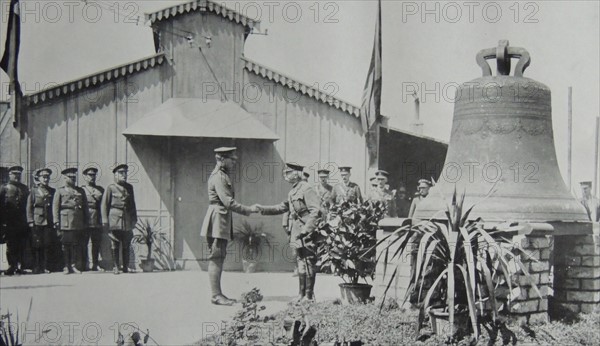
(119, 213)
(39, 213)
(304, 207)
(350, 192)
(218, 220)
(385, 196)
(43, 234)
(94, 194)
(70, 212)
(327, 196)
(118, 207)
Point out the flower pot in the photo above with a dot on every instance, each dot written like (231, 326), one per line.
(440, 320)
(249, 266)
(147, 265)
(355, 293)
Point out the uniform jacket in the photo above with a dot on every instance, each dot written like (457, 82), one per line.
(386, 196)
(218, 220)
(304, 207)
(414, 204)
(39, 206)
(93, 194)
(326, 195)
(592, 207)
(118, 207)
(13, 201)
(69, 208)
(403, 207)
(350, 192)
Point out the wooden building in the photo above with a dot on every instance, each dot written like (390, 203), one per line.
(164, 114)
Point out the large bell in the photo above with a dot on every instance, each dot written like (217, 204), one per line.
(502, 139)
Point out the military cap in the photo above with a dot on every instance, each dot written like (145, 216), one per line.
(69, 171)
(294, 166)
(323, 172)
(586, 183)
(15, 169)
(42, 171)
(92, 169)
(345, 169)
(372, 178)
(225, 150)
(381, 173)
(424, 183)
(121, 167)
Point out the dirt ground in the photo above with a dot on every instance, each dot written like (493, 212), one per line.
(91, 308)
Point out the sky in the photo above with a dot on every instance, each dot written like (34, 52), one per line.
(430, 45)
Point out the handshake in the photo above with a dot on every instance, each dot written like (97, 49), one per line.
(256, 208)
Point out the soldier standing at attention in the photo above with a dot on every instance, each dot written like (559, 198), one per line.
(423, 191)
(325, 191)
(93, 193)
(383, 194)
(13, 219)
(70, 216)
(590, 203)
(303, 204)
(347, 190)
(40, 219)
(217, 226)
(119, 216)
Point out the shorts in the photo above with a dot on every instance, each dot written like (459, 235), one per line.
(217, 248)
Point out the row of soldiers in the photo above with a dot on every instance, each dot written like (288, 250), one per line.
(397, 201)
(71, 214)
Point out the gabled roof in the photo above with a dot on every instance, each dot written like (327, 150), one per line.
(300, 87)
(95, 78)
(202, 5)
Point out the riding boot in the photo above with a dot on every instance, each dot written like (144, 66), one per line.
(125, 259)
(115, 256)
(301, 286)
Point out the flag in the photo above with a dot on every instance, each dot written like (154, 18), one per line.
(371, 101)
(9, 61)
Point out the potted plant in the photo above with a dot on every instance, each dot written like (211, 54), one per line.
(346, 245)
(457, 267)
(148, 234)
(250, 239)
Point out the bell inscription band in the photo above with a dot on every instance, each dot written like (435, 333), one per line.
(502, 139)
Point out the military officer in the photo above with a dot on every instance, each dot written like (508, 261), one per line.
(325, 191)
(347, 190)
(304, 206)
(93, 194)
(40, 219)
(402, 202)
(590, 203)
(13, 219)
(382, 193)
(70, 216)
(217, 226)
(423, 191)
(119, 216)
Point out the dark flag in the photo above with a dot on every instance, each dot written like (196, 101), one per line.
(370, 109)
(371, 101)
(10, 58)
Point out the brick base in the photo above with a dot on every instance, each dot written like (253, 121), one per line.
(577, 272)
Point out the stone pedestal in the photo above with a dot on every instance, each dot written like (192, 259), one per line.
(385, 269)
(577, 271)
